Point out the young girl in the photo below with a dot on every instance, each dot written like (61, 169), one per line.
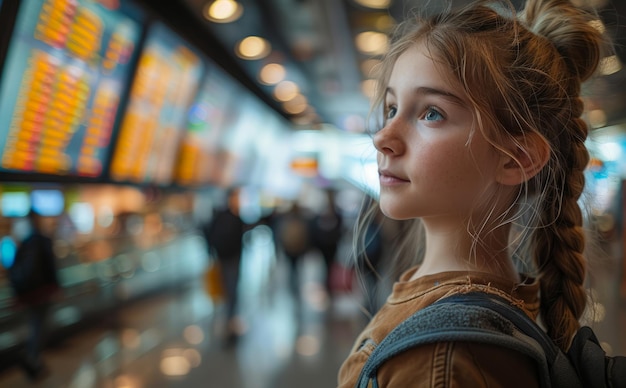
(483, 142)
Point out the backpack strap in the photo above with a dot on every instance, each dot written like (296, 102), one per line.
(585, 363)
(589, 359)
(562, 372)
(472, 317)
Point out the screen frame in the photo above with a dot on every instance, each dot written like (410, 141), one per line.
(154, 25)
(9, 11)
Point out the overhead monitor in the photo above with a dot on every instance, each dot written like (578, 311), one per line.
(211, 113)
(66, 66)
(168, 74)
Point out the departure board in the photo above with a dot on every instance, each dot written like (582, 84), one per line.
(167, 78)
(209, 116)
(67, 64)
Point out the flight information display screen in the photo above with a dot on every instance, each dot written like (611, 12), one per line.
(67, 65)
(167, 78)
(210, 115)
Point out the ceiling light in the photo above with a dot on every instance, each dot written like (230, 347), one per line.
(253, 47)
(308, 117)
(296, 105)
(285, 91)
(272, 73)
(610, 65)
(298, 99)
(223, 11)
(598, 25)
(371, 42)
(597, 118)
(294, 109)
(376, 4)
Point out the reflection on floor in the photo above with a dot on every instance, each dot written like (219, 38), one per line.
(175, 339)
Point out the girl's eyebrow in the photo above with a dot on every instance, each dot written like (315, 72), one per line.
(430, 91)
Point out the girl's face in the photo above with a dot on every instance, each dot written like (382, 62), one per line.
(431, 164)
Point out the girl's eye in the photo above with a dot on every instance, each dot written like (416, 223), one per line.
(432, 115)
(391, 112)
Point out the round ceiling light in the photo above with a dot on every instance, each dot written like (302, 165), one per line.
(376, 4)
(286, 90)
(223, 11)
(253, 47)
(296, 105)
(610, 65)
(597, 118)
(272, 73)
(371, 42)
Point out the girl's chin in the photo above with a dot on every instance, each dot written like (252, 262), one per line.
(393, 212)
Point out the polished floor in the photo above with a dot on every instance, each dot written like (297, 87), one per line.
(176, 338)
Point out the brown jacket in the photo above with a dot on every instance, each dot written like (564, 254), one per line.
(445, 364)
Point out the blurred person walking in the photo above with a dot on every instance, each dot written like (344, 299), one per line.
(293, 239)
(33, 278)
(326, 233)
(224, 234)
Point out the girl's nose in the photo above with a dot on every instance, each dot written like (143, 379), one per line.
(388, 140)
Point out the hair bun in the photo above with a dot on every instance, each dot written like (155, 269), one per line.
(570, 30)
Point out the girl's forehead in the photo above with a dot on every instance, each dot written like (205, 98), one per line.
(419, 67)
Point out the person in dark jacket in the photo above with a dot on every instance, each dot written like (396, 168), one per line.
(224, 235)
(293, 239)
(33, 277)
(326, 233)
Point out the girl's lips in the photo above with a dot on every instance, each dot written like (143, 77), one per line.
(388, 179)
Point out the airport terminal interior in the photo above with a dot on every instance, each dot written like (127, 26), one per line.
(128, 125)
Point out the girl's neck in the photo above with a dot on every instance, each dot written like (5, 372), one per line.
(454, 250)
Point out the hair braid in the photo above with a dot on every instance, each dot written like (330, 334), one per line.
(560, 242)
(559, 238)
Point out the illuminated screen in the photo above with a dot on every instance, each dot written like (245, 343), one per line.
(47, 202)
(15, 204)
(8, 247)
(167, 78)
(210, 114)
(249, 127)
(607, 167)
(82, 216)
(66, 66)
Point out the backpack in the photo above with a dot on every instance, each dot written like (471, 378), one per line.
(486, 318)
(27, 273)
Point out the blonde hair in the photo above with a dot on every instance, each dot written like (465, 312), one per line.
(522, 73)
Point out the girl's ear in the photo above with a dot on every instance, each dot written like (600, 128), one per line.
(523, 158)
